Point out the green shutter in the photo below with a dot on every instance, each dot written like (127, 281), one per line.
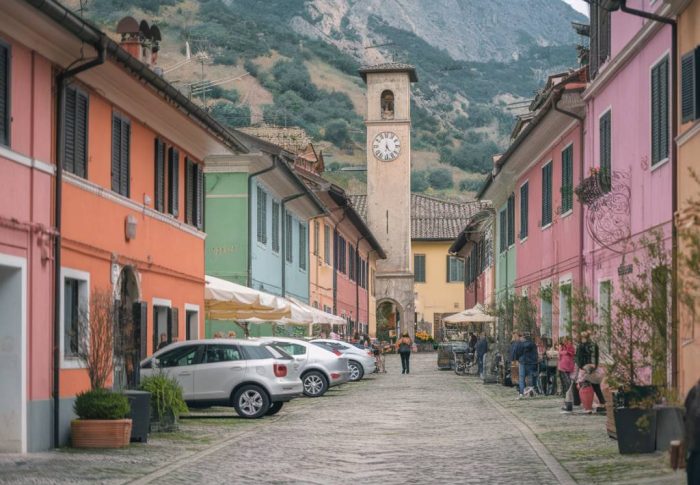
(189, 191)
(174, 181)
(690, 86)
(159, 169)
(116, 152)
(547, 194)
(567, 180)
(524, 189)
(69, 130)
(81, 133)
(4, 94)
(511, 220)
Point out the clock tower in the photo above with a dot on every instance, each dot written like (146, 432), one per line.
(389, 184)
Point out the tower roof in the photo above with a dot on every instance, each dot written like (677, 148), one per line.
(389, 67)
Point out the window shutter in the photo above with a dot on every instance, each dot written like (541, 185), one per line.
(140, 315)
(275, 226)
(447, 271)
(302, 246)
(593, 50)
(502, 231)
(511, 220)
(567, 179)
(173, 324)
(159, 189)
(124, 158)
(81, 134)
(663, 110)
(199, 196)
(4, 94)
(605, 147)
(174, 181)
(69, 130)
(690, 86)
(655, 114)
(116, 153)
(547, 194)
(605, 35)
(190, 175)
(523, 210)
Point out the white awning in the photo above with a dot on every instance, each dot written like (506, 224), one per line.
(472, 315)
(224, 300)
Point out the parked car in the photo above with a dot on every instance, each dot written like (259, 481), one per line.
(360, 361)
(254, 377)
(320, 368)
(445, 353)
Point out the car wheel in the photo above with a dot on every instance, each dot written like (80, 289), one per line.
(274, 408)
(251, 402)
(356, 371)
(315, 384)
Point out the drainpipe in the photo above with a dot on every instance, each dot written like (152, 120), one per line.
(335, 262)
(249, 276)
(581, 172)
(357, 282)
(61, 80)
(674, 176)
(369, 272)
(283, 247)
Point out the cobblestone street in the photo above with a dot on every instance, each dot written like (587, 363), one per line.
(427, 427)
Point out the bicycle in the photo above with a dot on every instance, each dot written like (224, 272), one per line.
(461, 363)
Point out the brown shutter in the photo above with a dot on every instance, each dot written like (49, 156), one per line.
(199, 196)
(116, 151)
(189, 191)
(69, 130)
(174, 180)
(124, 158)
(159, 189)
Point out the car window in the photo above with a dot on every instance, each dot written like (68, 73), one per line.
(277, 352)
(291, 348)
(256, 352)
(222, 353)
(181, 356)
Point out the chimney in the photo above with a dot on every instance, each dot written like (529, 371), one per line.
(140, 40)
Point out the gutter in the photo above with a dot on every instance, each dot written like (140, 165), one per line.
(61, 79)
(249, 276)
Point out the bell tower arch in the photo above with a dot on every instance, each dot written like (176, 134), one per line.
(388, 125)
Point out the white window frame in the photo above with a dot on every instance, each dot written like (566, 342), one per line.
(190, 307)
(84, 276)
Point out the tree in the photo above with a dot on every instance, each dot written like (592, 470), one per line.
(440, 178)
(419, 181)
(338, 132)
(230, 114)
(96, 337)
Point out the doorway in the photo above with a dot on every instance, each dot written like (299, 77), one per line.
(127, 337)
(13, 405)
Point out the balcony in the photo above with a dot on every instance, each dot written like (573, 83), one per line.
(594, 186)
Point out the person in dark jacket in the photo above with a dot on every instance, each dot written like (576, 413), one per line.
(692, 434)
(482, 346)
(587, 352)
(526, 355)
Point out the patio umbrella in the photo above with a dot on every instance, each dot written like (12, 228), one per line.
(472, 315)
(224, 300)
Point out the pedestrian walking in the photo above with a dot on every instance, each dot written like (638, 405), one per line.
(692, 434)
(482, 346)
(526, 355)
(565, 366)
(587, 353)
(403, 345)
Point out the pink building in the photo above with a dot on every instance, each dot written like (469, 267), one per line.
(26, 245)
(628, 147)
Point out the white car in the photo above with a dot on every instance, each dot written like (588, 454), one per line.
(320, 368)
(360, 361)
(253, 377)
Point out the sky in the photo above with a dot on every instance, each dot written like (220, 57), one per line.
(579, 5)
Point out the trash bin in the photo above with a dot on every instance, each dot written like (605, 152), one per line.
(140, 402)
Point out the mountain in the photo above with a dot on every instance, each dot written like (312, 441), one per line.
(294, 62)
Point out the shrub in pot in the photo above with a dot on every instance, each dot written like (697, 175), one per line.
(102, 420)
(166, 401)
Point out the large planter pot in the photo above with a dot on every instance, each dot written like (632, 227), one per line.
(586, 394)
(669, 426)
(610, 412)
(100, 433)
(636, 430)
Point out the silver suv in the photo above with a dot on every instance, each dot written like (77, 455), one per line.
(254, 377)
(320, 368)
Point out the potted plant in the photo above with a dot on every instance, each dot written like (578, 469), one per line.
(166, 401)
(102, 414)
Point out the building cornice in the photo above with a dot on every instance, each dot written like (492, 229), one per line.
(27, 161)
(107, 194)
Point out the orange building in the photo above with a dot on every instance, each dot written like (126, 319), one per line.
(127, 203)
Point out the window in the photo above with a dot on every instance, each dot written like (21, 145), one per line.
(419, 267)
(659, 112)
(387, 105)
(605, 150)
(690, 85)
(503, 235)
(75, 125)
(288, 237)
(291, 348)
(221, 353)
(275, 226)
(173, 181)
(600, 36)
(455, 270)
(261, 201)
(165, 324)
(524, 189)
(604, 312)
(121, 147)
(511, 220)
(181, 356)
(191, 324)
(4, 94)
(75, 308)
(317, 230)
(567, 179)
(351, 260)
(302, 246)
(327, 243)
(547, 194)
(340, 255)
(159, 169)
(256, 352)
(565, 309)
(194, 182)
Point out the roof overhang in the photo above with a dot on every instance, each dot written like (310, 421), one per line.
(339, 196)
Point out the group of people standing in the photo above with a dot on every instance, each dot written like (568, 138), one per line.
(577, 367)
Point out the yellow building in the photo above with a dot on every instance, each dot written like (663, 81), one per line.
(438, 278)
(687, 214)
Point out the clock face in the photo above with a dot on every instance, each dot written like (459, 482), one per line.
(386, 146)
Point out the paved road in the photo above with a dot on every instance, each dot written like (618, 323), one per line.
(427, 427)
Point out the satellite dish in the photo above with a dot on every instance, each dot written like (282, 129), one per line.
(128, 25)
